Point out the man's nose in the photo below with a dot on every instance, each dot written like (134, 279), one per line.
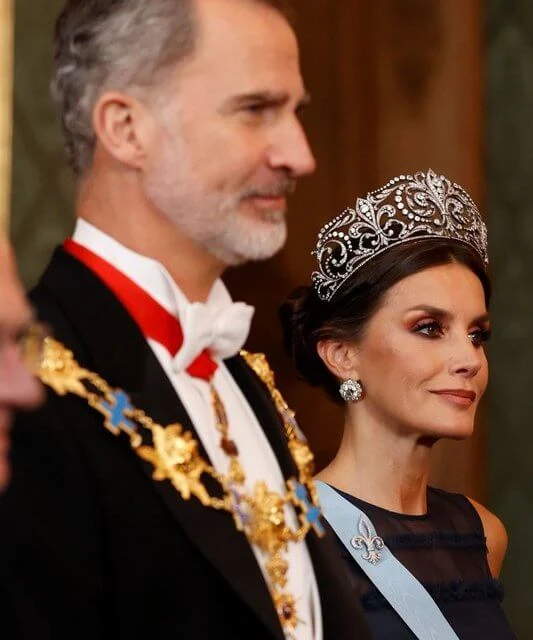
(291, 151)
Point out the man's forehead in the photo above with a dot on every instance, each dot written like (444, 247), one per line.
(243, 38)
(215, 16)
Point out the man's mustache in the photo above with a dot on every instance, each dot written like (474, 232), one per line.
(280, 189)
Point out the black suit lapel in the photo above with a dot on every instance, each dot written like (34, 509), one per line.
(116, 350)
(259, 399)
(212, 531)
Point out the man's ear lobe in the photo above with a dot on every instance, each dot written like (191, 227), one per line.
(118, 122)
(339, 357)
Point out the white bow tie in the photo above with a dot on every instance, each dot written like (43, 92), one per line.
(223, 331)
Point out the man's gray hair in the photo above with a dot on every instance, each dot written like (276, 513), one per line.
(114, 45)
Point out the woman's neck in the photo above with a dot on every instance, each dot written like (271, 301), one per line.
(381, 466)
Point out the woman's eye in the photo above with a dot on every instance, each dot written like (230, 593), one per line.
(430, 329)
(479, 336)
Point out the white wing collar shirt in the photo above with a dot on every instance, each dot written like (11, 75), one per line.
(222, 326)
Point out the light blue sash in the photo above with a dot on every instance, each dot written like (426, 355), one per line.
(403, 591)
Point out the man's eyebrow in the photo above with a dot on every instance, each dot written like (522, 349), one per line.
(275, 98)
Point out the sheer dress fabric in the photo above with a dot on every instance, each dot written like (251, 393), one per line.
(445, 550)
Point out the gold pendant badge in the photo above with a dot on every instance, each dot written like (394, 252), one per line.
(174, 456)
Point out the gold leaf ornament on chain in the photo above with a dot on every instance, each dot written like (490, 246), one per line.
(175, 457)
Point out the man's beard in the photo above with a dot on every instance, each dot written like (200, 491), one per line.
(241, 239)
(218, 223)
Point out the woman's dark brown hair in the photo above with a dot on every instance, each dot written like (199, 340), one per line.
(306, 320)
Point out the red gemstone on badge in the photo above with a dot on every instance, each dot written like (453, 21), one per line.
(287, 611)
(229, 447)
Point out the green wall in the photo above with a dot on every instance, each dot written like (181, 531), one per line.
(41, 198)
(510, 207)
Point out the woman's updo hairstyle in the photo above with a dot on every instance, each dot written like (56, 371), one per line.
(306, 319)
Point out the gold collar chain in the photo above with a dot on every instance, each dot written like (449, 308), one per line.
(174, 455)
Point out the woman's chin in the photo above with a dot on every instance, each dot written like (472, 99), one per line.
(453, 431)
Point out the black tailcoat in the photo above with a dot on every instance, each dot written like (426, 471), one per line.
(91, 547)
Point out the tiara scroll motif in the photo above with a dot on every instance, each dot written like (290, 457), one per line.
(407, 208)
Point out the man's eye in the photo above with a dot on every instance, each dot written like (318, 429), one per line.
(430, 329)
(256, 108)
(479, 337)
(260, 111)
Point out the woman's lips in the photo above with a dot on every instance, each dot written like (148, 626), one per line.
(462, 397)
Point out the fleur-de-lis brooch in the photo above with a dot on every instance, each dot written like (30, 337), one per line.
(369, 541)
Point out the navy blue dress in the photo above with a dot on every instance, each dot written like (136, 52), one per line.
(445, 550)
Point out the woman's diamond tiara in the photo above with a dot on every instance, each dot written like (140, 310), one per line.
(407, 208)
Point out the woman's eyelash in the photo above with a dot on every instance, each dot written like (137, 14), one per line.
(480, 336)
(435, 329)
(429, 328)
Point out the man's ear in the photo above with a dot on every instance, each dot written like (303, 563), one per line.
(341, 358)
(121, 124)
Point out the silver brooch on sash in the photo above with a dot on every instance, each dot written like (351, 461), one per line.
(369, 541)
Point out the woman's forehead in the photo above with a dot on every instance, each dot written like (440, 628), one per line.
(450, 287)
